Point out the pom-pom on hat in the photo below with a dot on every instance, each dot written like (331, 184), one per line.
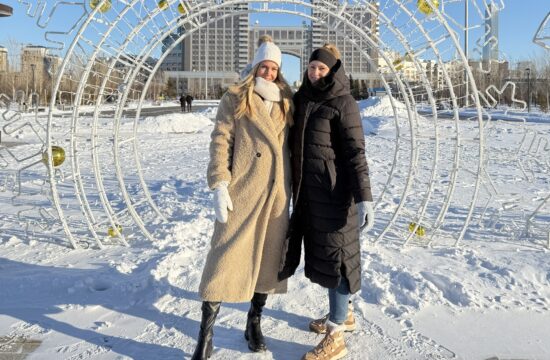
(267, 51)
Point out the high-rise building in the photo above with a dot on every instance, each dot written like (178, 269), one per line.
(210, 58)
(174, 60)
(36, 61)
(490, 47)
(355, 51)
(4, 66)
(218, 51)
(33, 66)
(292, 40)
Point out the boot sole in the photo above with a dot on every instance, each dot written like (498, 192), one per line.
(252, 349)
(341, 355)
(349, 328)
(209, 351)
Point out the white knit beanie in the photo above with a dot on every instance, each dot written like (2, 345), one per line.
(267, 51)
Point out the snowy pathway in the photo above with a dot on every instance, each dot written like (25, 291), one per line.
(488, 298)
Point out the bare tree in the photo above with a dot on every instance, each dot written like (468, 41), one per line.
(540, 86)
(12, 80)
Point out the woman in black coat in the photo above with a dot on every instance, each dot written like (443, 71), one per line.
(331, 191)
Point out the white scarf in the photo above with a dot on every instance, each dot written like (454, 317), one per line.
(268, 90)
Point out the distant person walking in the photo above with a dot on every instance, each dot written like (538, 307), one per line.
(182, 102)
(249, 171)
(189, 100)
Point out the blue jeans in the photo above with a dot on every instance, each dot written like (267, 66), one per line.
(338, 299)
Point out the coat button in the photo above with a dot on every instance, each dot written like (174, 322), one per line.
(258, 154)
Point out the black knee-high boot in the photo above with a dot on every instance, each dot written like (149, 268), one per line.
(204, 342)
(253, 333)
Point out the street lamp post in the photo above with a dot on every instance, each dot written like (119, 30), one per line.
(466, 53)
(5, 10)
(206, 45)
(528, 70)
(33, 66)
(71, 88)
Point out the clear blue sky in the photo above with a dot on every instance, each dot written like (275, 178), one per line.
(518, 23)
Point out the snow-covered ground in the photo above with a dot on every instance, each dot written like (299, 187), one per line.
(488, 298)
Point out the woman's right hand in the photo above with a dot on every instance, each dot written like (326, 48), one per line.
(222, 202)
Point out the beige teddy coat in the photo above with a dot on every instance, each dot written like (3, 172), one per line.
(251, 153)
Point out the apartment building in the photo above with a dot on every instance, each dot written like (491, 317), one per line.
(210, 58)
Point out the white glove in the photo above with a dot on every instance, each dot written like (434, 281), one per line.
(366, 215)
(222, 202)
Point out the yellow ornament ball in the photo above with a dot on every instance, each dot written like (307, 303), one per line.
(163, 4)
(181, 9)
(114, 231)
(58, 156)
(106, 6)
(420, 231)
(398, 64)
(424, 6)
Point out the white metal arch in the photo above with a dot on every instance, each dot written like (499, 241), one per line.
(412, 189)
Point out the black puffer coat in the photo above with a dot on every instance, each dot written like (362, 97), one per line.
(330, 174)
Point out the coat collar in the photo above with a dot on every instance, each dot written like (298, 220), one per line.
(335, 84)
(264, 121)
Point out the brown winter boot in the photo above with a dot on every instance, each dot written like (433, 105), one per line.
(319, 325)
(332, 347)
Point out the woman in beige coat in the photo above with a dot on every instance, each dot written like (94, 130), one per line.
(249, 171)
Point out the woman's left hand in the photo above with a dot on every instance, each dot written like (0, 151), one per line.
(366, 215)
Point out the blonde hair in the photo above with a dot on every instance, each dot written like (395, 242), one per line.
(245, 90)
(333, 50)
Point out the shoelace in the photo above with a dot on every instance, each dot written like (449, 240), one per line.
(326, 343)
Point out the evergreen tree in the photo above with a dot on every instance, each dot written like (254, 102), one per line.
(542, 101)
(354, 89)
(170, 88)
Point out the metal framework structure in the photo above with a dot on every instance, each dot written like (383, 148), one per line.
(428, 201)
(542, 36)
